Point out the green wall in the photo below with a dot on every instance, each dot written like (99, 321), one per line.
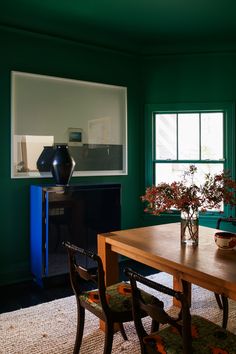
(199, 77)
(28, 52)
(189, 78)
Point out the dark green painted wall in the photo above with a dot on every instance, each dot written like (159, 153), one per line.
(189, 78)
(27, 52)
(157, 79)
(200, 77)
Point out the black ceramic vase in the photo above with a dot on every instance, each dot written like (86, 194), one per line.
(62, 165)
(44, 161)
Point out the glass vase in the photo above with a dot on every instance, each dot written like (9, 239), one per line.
(62, 165)
(189, 227)
(44, 161)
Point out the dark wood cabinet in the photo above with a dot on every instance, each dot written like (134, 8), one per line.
(75, 213)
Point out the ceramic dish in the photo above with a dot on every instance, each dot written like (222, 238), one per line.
(225, 240)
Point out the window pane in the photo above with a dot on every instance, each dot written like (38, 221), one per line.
(170, 172)
(212, 136)
(165, 136)
(188, 136)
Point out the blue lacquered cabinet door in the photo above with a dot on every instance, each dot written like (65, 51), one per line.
(37, 225)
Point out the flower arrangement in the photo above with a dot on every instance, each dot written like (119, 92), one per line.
(189, 198)
(186, 195)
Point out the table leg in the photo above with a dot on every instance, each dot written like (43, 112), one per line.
(109, 260)
(110, 264)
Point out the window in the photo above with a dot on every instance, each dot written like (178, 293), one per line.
(184, 135)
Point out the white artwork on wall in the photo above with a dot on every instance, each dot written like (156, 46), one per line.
(75, 136)
(100, 131)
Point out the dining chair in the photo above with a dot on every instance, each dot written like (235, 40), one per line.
(112, 304)
(222, 300)
(182, 333)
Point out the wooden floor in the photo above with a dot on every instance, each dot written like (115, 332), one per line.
(14, 297)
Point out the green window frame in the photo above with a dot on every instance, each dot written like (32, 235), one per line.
(228, 159)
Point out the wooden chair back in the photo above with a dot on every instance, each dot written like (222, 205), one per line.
(157, 312)
(77, 272)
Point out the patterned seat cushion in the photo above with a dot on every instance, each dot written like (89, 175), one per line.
(207, 338)
(118, 297)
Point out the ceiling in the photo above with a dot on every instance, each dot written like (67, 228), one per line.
(130, 25)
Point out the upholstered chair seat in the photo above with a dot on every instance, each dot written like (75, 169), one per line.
(180, 333)
(207, 338)
(119, 298)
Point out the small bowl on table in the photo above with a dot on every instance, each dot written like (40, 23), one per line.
(225, 240)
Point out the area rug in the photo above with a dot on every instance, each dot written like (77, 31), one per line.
(50, 327)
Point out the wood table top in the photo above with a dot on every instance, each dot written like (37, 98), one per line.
(160, 247)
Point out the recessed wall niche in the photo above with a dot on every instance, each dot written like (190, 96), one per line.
(90, 117)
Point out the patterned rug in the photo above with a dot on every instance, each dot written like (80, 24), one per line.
(50, 328)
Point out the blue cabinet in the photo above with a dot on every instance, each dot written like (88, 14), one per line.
(75, 213)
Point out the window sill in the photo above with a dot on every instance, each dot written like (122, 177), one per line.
(209, 220)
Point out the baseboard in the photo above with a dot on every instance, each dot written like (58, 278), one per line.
(15, 273)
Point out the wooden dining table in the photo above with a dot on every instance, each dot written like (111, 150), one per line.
(160, 247)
